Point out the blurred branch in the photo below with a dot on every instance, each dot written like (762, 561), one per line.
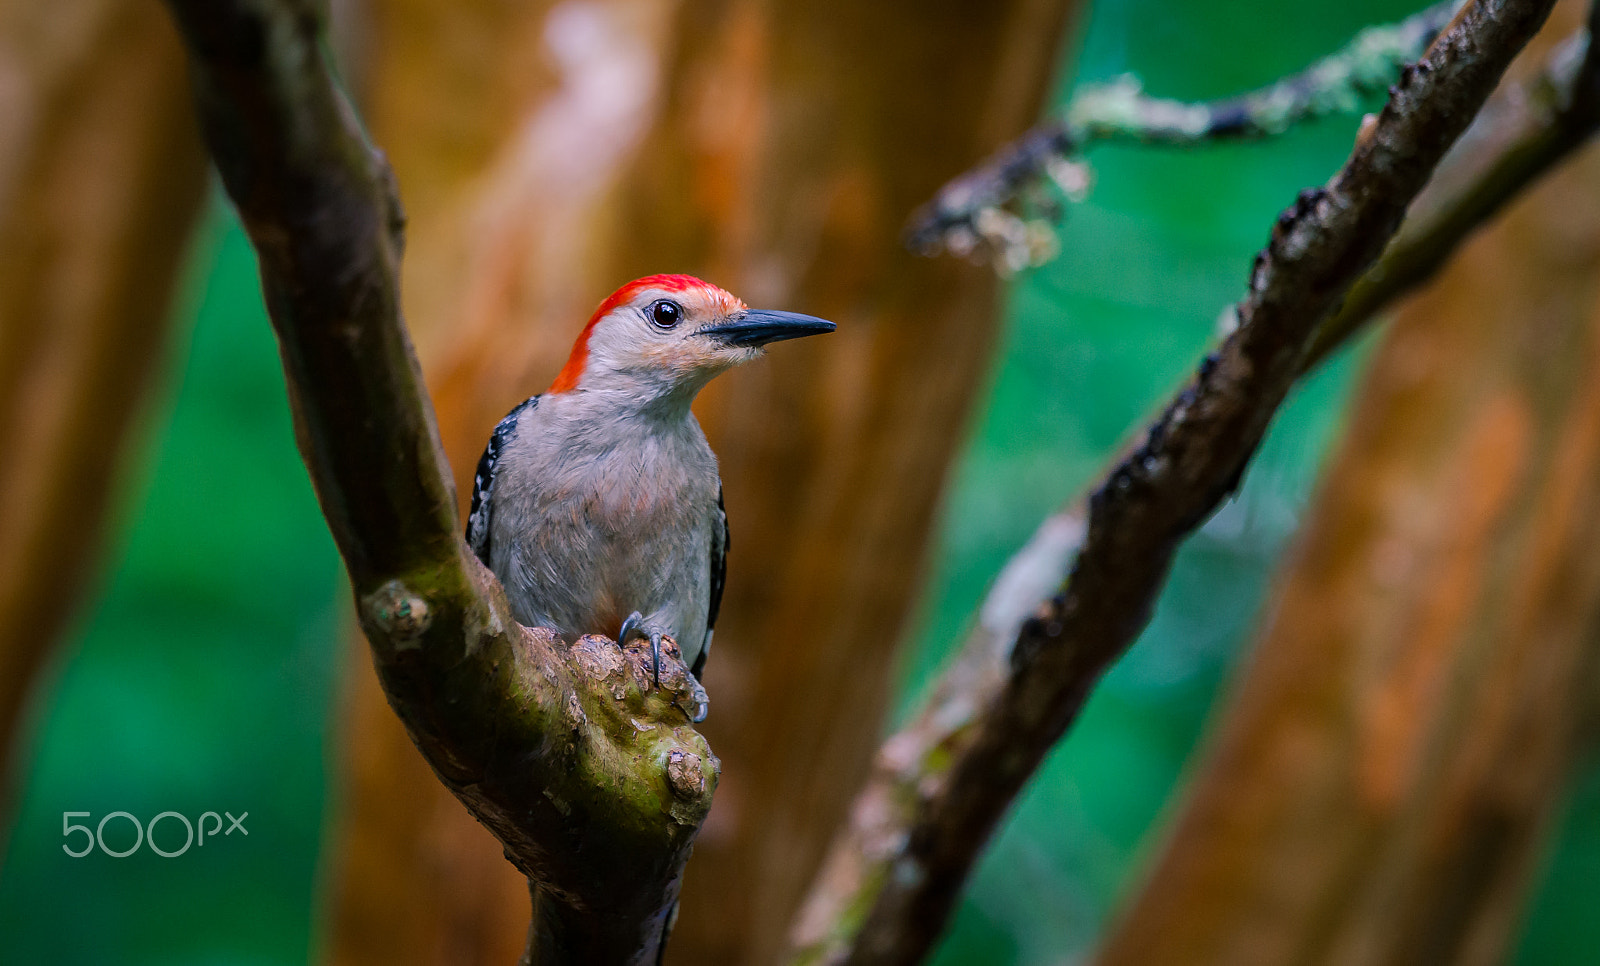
(102, 178)
(593, 781)
(967, 215)
(946, 780)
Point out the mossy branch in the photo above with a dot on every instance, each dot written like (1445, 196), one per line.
(941, 785)
(591, 777)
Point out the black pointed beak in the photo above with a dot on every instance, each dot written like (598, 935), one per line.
(758, 327)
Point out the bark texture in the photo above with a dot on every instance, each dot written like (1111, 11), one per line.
(1379, 787)
(1525, 131)
(100, 181)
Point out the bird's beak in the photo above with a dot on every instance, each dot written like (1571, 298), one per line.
(757, 328)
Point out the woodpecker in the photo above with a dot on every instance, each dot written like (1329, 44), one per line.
(597, 503)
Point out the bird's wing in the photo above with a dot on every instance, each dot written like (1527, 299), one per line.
(483, 481)
(719, 577)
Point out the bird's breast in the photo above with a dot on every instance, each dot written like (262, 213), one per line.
(627, 530)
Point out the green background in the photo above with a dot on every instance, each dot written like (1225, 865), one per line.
(202, 675)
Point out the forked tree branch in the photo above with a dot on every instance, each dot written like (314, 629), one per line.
(592, 779)
(944, 782)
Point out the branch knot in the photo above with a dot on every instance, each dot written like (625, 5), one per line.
(401, 616)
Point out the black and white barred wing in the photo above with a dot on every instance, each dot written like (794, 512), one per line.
(478, 529)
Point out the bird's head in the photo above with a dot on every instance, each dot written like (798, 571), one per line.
(666, 336)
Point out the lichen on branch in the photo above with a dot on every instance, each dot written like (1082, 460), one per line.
(979, 214)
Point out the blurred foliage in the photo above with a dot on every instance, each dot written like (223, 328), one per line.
(202, 677)
(199, 679)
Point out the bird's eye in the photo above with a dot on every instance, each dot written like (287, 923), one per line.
(666, 313)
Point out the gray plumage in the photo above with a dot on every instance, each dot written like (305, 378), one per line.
(587, 514)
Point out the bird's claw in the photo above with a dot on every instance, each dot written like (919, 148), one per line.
(634, 627)
(696, 703)
(631, 628)
(699, 699)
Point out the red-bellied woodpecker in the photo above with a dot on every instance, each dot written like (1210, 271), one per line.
(598, 503)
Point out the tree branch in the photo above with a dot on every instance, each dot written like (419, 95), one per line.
(1514, 143)
(945, 781)
(967, 215)
(593, 780)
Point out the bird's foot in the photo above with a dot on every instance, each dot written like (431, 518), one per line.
(635, 627)
(695, 703)
(698, 703)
